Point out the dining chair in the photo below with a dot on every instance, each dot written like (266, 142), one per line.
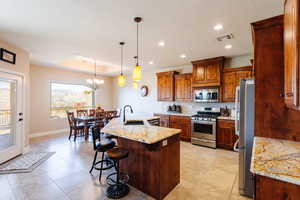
(92, 112)
(75, 128)
(99, 109)
(82, 113)
(111, 114)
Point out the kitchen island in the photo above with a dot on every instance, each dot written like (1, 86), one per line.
(153, 164)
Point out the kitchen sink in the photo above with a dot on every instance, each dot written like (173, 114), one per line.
(134, 122)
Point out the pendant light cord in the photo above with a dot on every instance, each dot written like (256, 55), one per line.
(121, 59)
(137, 43)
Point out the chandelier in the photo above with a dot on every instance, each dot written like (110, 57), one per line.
(94, 82)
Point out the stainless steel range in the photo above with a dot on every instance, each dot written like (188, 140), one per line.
(204, 127)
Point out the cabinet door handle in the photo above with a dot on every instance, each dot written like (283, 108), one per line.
(289, 94)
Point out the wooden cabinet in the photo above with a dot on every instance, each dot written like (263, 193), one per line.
(183, 87)
(271, 189)
(164, 120)
(207, 72)
(183, 123)
(165, 86)
(291, 53)
(226, 134)
(231, 79)
(228, 86)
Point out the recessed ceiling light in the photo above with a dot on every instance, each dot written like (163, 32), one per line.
(218, 27)
(228, 46)
(182, 56)
(161, 43)
(151, 62)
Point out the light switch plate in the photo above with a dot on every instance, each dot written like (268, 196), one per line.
(165, 143)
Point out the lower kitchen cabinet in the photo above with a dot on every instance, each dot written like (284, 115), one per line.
(179, 122)
(183, 123)
(271, 189)
(164, 120)
(226, 134)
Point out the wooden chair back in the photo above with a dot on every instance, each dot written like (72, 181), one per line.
(92, 112)
(111, 114)
(82, 113)
(99, 109)
(71, 119)
(100, 115)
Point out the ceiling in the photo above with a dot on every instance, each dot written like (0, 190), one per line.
(68, 33)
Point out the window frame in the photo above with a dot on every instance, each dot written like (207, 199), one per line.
(66, 83)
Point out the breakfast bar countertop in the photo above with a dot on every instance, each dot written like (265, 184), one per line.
(276, 159)
(142, 133)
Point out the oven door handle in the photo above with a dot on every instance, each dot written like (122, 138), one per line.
(203, 122)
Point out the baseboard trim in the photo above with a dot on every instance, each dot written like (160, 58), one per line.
(33, 135)
(26, 149)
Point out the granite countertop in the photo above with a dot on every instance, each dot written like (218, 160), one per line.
(226, 118)
(277, 159)
(142, 133)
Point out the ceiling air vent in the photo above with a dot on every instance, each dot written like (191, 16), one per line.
(225, 37)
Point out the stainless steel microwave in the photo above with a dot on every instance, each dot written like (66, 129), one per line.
(206, 95)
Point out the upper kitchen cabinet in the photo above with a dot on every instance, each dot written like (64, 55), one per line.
(291, 53)
(231, 79)
(165, 86)
(228, 86)
(207, 72)
(183, 87)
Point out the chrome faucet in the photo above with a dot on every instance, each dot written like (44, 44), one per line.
(124, 111)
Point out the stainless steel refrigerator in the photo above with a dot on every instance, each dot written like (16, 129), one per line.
(245, 96)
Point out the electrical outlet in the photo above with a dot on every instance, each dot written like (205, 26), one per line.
(165, 143)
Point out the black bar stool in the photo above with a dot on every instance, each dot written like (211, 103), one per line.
(101, 146)
(120, 188)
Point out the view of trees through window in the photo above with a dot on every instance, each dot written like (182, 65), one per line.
(69, 97)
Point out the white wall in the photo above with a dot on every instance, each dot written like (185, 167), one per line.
(146, 106)
(21, 66)
(40, 121)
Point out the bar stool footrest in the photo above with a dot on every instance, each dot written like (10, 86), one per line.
(123, 178)
(108, 164)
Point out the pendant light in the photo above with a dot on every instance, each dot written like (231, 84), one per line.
(94, 83)
(135, 85)
(137, 72)
(121, 78)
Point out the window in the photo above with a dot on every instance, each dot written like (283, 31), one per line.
(69, 97)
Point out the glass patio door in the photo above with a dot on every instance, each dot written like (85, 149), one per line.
(11, 116)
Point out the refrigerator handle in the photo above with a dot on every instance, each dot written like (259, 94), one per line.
(237, 110)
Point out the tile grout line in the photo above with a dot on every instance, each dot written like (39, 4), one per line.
(232, 187)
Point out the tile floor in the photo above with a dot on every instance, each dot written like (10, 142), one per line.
(206, 174)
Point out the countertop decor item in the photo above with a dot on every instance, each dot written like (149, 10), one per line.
(174, 108)
(121, 77)
(137, 71)
(7, 56)
(144, 91)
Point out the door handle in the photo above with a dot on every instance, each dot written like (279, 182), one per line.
(21, 119)
(289, 94)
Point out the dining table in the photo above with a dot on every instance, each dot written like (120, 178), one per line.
(85, 120)
(108, 115)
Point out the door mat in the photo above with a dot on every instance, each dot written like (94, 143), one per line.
(25, 163)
